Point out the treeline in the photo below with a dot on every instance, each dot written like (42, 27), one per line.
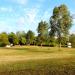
(18, 38)
(54, 33)
(29, 38)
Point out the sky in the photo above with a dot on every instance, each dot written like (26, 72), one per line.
(24, 15)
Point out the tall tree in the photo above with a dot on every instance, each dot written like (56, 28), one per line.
(30, 37)
(42, 31)
(60, 22)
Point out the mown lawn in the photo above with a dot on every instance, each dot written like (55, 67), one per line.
(34, 60)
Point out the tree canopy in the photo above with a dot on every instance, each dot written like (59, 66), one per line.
(13, 39)
(60, 22)
(4, 39)
(29, 37)
(42, 31)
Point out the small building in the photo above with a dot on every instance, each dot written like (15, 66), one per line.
(69, 45)
(8, 46)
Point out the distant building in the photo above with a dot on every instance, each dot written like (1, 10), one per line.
(69, 45)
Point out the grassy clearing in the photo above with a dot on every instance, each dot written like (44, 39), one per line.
(34, 60)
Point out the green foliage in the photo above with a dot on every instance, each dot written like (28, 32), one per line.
(41, 40)
(22, 41)
(42, 32)
(72, 40)
(42, 28)
(30, 37)
(60, 22)
(3, 39)
(52, 41)
(63, 41)
(21, 37)
(13, 39)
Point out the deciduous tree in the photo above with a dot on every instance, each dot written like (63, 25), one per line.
(42, 32)
(60, 22)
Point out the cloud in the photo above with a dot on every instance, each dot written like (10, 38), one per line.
(22, 2)
(72, 30)
(21, 21)
(32, 15)
(5, 27)
(29, 20)
(6, 9)
(74, 21)
(46, 15)
(73, 16)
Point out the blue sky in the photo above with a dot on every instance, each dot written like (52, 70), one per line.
(24, 15)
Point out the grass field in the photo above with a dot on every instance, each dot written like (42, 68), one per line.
(34, 60)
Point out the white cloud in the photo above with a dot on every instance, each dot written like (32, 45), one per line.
(73, 21)
(22, 2)
(29, 21)
(73, 15)
(28, 17)
(5, 27)
(32, 15)
(72, 30)
(5, 9)
(46, 15)
(21, 21)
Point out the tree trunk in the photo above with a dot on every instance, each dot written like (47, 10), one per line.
(41, 44)
(60, 46)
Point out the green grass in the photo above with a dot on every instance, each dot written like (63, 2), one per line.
(34, 60)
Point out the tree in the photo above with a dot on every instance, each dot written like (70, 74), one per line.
(30, 37)
(13, 38)
(60, 22)
(72, 40)
(63, 41)
(42, 32)
(3, 39)
(22, 41)
(21, 37)
(51, 41)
